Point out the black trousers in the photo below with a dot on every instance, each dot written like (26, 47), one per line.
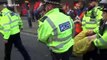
(97, 54)
(92, 55)
(16, 40)
(63, 56)
(103, 54)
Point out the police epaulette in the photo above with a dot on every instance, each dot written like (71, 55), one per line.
(43, 19)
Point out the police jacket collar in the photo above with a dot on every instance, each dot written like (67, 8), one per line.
(53, 10)
(5, 10)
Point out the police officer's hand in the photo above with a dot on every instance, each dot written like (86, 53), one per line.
(77, 21)
(92, 37)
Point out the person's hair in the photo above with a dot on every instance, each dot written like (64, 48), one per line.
(54, 5)
(11, 8)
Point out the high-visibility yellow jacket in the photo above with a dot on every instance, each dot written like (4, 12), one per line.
(10, 23)
(92, 18)
(101, 40)
(55, 30)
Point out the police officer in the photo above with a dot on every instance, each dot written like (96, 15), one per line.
(92, 17)
(100, 42)
(55, 30)
(11, 25)
(90, 21)
(100, 38)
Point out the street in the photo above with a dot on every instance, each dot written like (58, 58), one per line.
(36, 50)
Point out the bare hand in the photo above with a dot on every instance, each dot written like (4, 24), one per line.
(92, 37)
(79, 21)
